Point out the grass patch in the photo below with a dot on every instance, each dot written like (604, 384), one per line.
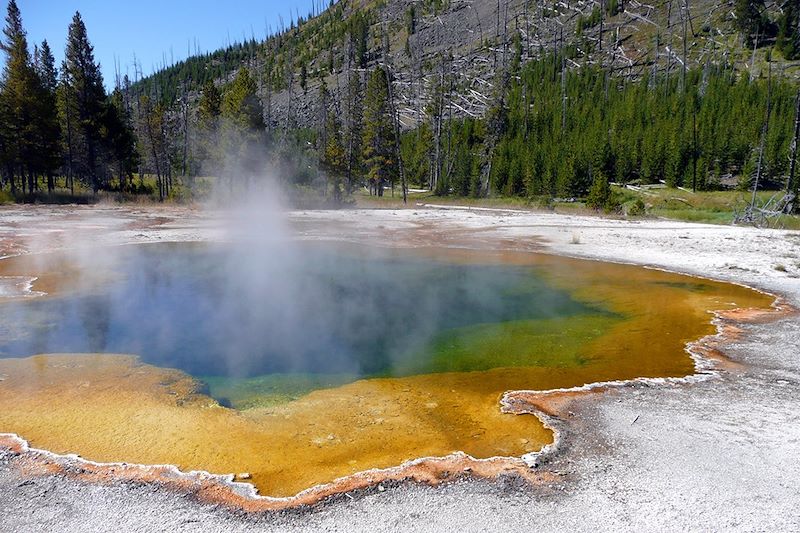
(712, 207)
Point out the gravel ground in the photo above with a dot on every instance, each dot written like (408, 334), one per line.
(713, 455)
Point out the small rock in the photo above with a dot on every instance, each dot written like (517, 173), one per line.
(380, 488)
(244, 475)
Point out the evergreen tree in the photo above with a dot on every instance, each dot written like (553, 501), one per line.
(359, 36)
(87, 97)
(378, 134)
(6, 157)
(334, 159)
(788, 41)
(496, 145)
(354, 132)
(66, 104)
(48, 154)
(210, 105)
(415, 148)
(67, 119)
(121, 138)
(243, 127)
(752, 20)
(209, 109)
(46, 69)
(241, 105)
(18, 101)
(599, 194)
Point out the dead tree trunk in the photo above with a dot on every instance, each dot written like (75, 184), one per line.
(527, 32)
(694, 148)
(790, 185)
(496, 36)
(437, 117)
(684, 15)
(393, 111)
(563, 88)
(350, 122)
(753, 58)
(669, 48)
(654, 74)
(764, 132)
(449, 157)
(148, 118)
(602, 19)
(290, 81)
(527, 110)
(70, 159)
(185, 119)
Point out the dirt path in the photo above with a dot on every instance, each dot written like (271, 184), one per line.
(717, 454)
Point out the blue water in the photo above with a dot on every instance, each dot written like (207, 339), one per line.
(216, 310)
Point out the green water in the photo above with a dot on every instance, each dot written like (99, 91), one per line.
(555, 343)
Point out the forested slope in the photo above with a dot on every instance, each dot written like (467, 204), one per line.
(464, 97)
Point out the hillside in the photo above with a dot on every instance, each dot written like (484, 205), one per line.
(432, 39)
(534, 100)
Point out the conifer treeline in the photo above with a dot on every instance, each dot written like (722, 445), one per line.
(549, 131)
(58, 122)
(554, 136)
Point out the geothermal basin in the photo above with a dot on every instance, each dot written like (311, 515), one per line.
(303, 362)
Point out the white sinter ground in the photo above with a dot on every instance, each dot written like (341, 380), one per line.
(720, 454)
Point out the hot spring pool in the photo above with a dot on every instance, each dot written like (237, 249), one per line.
(333, 358)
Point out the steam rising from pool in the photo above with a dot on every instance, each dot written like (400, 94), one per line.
(278, 306)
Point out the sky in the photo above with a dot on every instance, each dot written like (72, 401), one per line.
(152, 30)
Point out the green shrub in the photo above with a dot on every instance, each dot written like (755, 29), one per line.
(636, 208)
(599, 193)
